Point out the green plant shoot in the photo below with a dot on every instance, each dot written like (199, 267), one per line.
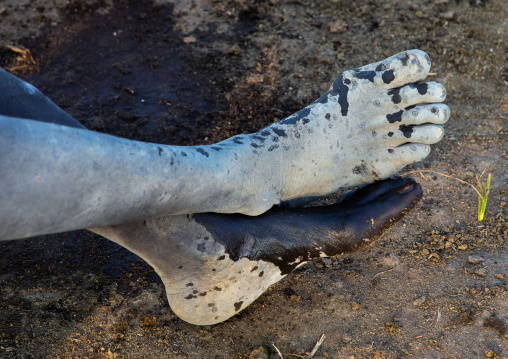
(483, 195)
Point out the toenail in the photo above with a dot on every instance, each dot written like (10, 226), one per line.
(406, 188)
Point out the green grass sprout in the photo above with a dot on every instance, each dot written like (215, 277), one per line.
(483, 193)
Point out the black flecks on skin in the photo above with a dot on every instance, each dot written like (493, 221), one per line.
(422, 88)
(237, 140)
(305, 121)
(406, 130)
(433, 110)
(427, 58)
(339, 88)
(183, 154)
(202, 247)
(390, 150)
(189, 285)
(190, 296)
(215, 148)
(253, 269)
(365, 75)
(265, 133)
(287, 237)
(388, 76)
(328, 116)
(395, 117)
(381, 67)
(259, 138)
(255, 145)
(202, 294)
(218, 289)
(160, 150)
(404, 58)
(238, 306)
(261, 273)
(279, 132)
(202, 151)
(395, 93)
(323, 99)
(390, 134)
(292, 120)
(360, 170)
(221, 258)
(272, 147)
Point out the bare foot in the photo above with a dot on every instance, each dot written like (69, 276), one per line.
(214, 265)
(370, 124)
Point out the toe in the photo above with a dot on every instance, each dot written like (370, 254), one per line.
(435, 113)
(427, 134)
(413, 94)
(398, 70)
(409, 153)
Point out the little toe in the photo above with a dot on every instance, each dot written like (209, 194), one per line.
(414, 94)
(409, 153)
(398, 70)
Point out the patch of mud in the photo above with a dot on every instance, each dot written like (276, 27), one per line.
(196, 72)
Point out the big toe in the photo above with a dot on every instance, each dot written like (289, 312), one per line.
(400, 69)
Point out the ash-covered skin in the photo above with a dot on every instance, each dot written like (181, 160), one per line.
(371, 123)
(377, 118)
(215, 265)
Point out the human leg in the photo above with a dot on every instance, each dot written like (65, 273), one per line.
(371, 123)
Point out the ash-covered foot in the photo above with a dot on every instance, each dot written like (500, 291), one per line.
(215, 265)
(370, 124)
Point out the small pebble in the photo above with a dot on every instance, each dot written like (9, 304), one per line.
(189, 39)
(419, 301)
(475, 259)
(490, 354)
(482, 272)
(327, 262)
(338, 26)
(499, 276)
(259, 353)
(346, 339)
(447, 15)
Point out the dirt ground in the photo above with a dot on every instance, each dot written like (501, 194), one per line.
(196, 72)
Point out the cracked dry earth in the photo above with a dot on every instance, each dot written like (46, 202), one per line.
(196, 72)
